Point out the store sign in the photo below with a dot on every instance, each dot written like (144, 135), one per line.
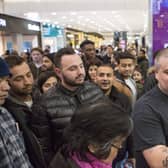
(2, 22)
(33, 27)
(49, 31)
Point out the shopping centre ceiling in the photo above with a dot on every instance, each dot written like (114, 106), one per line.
(103, 16)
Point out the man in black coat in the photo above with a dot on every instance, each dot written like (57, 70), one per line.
(19, 104)
(58, 105)
(105, 78)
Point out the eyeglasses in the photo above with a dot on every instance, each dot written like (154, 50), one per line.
(117, 147)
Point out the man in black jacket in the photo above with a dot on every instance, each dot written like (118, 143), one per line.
(105, 78)
(19, 104)
(58, 105)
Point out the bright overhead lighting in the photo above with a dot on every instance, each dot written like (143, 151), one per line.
(69, 26)
(80, 16)
(87, 19)
(92, 22)
(56, 22)
(117, 16)
(73, 13)
(94, 13)
(32, 15)
(46, 20)
(64, 17)
(53, 13)
(114, 12)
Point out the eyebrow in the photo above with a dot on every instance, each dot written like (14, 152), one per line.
(72, 66)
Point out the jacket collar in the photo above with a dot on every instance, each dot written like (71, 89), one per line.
(69, 92)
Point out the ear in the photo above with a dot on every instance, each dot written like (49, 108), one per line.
(58, 72)
(91, 148)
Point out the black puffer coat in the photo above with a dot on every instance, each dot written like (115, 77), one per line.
(54, 112)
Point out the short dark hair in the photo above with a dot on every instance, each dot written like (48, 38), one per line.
(106, 65)
(37, 49)
(86, 42)
(60, 53)
(98, 125)
(124, 55)
(14, 60)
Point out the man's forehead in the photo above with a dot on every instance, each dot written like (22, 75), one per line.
(70, 60)
(126, 60)
(105, 70)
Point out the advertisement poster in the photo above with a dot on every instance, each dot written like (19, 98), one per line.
(160, 24)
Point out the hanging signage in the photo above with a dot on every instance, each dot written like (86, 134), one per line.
(2, 22)
(33, 27)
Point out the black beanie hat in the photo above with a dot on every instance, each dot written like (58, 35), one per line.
(50, 56)
(4, 69)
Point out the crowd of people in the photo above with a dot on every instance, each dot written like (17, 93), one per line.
(104, 109)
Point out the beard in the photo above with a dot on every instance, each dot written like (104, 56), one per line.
(24, 91)
(74, 83)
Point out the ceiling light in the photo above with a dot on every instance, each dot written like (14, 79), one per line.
(53, 13)
(94, 13)
(87, 19)
(73, 13)
(46, 20)
(114, 12)
(80, 16)
(32, 15)
(56, 22)
(117, 16)
(64, 17)
(69, 26)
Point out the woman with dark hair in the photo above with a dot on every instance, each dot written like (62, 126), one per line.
(93, 138)
(46, 80)
(92, 69)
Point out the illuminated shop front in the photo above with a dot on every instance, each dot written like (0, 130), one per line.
(18, 34)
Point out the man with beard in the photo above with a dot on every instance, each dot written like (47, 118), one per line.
(48, 62)
(19, 104)
(12, 147)
(58, 105)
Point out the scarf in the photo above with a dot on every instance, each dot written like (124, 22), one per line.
(94, 162)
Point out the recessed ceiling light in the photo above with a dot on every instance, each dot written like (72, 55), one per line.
(53, 13)
(73, 13)
(56, 22)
